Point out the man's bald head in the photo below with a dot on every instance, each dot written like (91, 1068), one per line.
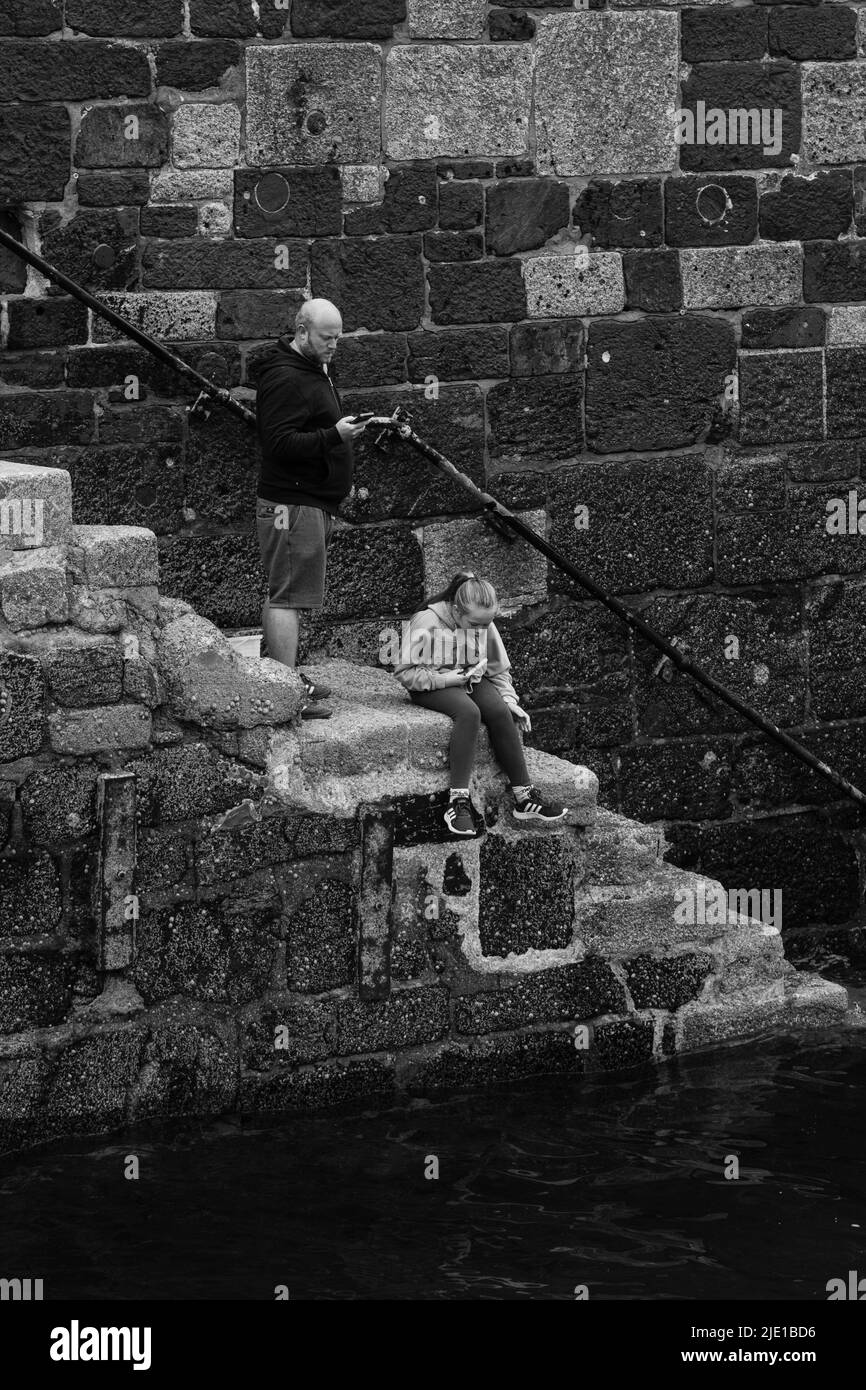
(318, 329)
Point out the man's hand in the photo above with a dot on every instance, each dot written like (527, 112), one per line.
(349, 429)
(523, 720)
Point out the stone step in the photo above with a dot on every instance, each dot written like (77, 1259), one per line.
(35, 506)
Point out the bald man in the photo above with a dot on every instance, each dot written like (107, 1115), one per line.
(306, 471)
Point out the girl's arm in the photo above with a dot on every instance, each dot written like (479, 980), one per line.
(414, 669)
(498, 666)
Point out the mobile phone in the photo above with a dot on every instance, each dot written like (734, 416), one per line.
(364, 416)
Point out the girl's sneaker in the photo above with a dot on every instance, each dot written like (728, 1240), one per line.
(458, 816)
(534, 807)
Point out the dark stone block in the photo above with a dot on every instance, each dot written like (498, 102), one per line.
(652, 281)
(73, 247)
(461, 205)
(834, 270)
(221, 576)
(567, 992)
(30, 18)
(508, 26)
(223, 18)
(159, 18)
(534, 419)
(29, 895)
(409, 487)
(72, 72)
(682, 781)
(310, 1024)
(723, 35)
(163, 860)
(485, 292)
(447, 169)
(702, 211)
(128, 485)
(771, 645)
(580, 650)
(191, 66)
(257, 313)
(224, 856)
(409, 204)
(627, 212)
(456, 882)
(376, 284)
(488, 1061)
(191, 1069)
(540, 348)
(798, 326)
(36, 149)
(169, 221)
(524, 213)
(814, 462)
(113, 189)
(13, 271)
(35, 990)
(820, 206)
(810, 857)
(32, 420)
(59, 803)
(766, 777)
(650, 522)
(654, 383)
(321, 942)
(200, 263)
(84, 674)
(221, 472)
(794, 544)
(837, 671)
(22, 730)
(781, 397)
(526, 899)
(372, 359)
(621, 1043)
(325, 835)
(454, 246)
(825, 34)
(176, 784)
(750, 86)
(407, 1018)
(747, 482)
(102, 144)
(160, 423)
(345, 19)
(515, 168)
(38, 370)
(458, 354)
(205, 951)
(667, 983)
(314, 207)
(317, 1087)
(90, 1081)
(846, 400)
(374, 571)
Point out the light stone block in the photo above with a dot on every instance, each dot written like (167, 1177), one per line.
(726, 277)
(193, 186)
(362, 183)
(100, 729)
(313, 103)
(565, 286)
(206, 136)
(35, 506)
(176, 316)
(834, 111)
(33, 587)
(446, 19)
(846, 325)
(445, 100)
(605, 92)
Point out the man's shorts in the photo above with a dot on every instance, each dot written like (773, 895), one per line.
(293, 541)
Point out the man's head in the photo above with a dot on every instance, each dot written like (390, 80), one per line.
(318, 328)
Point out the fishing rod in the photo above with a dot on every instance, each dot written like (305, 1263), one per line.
(495, 514)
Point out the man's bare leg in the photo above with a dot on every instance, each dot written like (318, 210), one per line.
(280, 626)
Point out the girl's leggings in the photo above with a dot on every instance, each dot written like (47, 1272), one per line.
(467, 711)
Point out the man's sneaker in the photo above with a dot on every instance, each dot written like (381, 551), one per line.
(534, 807)
(315, 692)
(458, 817)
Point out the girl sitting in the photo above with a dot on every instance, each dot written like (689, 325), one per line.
(454, 662)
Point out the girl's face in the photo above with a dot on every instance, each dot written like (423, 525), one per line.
(475, 617)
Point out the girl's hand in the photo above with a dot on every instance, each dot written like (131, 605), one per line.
(523, 720)
(477, 671)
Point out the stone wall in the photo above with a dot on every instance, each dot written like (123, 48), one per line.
(576, 308)
(208, 905)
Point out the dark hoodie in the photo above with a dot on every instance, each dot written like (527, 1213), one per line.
(297, 407)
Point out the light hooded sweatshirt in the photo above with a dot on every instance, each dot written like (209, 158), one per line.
(435, 646)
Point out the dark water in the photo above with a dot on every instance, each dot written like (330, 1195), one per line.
(542, 1187)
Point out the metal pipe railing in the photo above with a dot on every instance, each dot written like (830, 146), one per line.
(494, 513)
